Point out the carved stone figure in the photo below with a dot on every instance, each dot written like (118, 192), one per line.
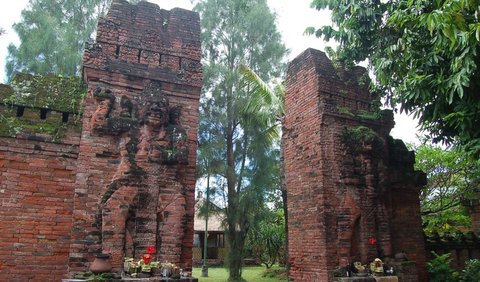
(143, 203)
(105, 100)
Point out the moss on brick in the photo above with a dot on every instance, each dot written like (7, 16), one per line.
(31, 124)
(357, 137)
(6, 91)
(366, 115)
(62, 94)
(30, 93)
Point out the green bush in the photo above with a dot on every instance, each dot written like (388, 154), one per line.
(280, 273)
(471, 273)
(266, 240)
(439, 269)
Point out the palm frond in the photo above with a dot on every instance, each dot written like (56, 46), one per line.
(265, 105)
(261, 93)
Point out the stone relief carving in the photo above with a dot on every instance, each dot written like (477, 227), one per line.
(105, 100)
(149, 117)
(151, 139)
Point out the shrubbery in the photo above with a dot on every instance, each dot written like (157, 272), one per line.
(471, 271)
(439, 270)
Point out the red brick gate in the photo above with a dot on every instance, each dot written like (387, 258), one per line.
(352, 191)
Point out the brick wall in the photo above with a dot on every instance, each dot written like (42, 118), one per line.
(347, 181)
(461, 246)
(36, 194)
(473, 207)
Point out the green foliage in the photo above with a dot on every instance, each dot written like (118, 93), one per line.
(452, 179)
(52, 35)
(357, 138)
(439, 269)
(471, 271)
(265, 105)
(267, 238)
(250, 273)
(234, 148)
(280, 273)
(63, 94)
(436, 75)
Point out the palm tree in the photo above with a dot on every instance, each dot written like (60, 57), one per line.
(266, 105)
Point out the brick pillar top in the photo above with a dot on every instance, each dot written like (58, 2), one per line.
(148, 42)
(315, 58)
(340, 92)
(343, 84)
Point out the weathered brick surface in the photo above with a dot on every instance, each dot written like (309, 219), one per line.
(343, 191)
(36, 195)
(136, 169)
(128, 179)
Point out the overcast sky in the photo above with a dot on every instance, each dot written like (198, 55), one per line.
(292, 19)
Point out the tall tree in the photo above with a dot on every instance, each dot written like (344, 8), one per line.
(209, 164)
(424, 54)
(236, 32)
(269, 102)
(52, 35)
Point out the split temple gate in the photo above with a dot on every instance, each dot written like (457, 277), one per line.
(114, 171)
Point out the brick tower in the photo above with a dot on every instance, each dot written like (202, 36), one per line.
(136, 166)
(352, 191)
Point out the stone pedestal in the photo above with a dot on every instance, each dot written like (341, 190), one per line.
(368, 279)
(355, 279)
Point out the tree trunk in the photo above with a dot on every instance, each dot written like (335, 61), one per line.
(283, 186)
(236, 248)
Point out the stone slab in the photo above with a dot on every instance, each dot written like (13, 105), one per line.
(368, 279)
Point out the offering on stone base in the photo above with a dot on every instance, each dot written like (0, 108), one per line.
(360, 268)
(377, 266)
(128, 265)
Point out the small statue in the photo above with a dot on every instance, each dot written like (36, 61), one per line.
(377, 266)
(361, 269)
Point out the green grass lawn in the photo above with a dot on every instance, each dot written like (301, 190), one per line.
(219, 274)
